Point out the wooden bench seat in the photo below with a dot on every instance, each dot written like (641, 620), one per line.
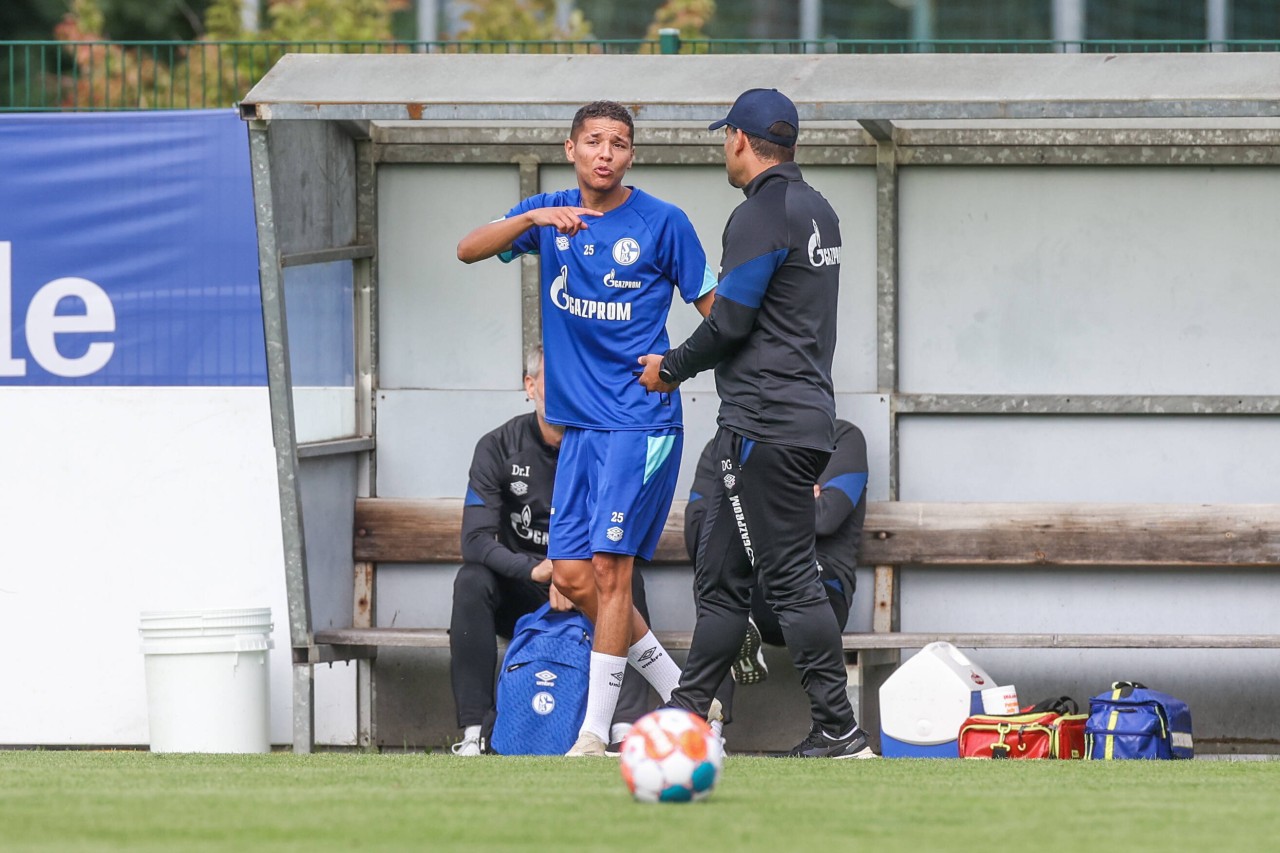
(935, 534)
(394, 530)
(1209, 537)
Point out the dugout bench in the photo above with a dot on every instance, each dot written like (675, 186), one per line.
(896, 534)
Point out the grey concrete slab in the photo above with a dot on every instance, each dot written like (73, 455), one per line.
(1089, 280)
(892, 87)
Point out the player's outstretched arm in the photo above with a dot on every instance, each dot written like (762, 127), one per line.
(493, 238)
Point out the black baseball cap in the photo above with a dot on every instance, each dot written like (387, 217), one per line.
(757, 109)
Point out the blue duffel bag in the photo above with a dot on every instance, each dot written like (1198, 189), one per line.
(1130, 721)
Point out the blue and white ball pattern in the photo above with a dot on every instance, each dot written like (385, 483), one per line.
(671, 756)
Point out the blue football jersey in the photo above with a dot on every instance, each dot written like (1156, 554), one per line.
(606, 293)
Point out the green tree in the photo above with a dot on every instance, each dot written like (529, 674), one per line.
(130, 20)
(26, 71)
(109, 75)
(308, 20)
(690, 17)
(310, 26)
(520, 20)
(218, 69)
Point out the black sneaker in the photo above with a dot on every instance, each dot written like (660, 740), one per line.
(749, 667)
(819, 745)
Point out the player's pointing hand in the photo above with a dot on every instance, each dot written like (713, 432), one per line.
(566, 220)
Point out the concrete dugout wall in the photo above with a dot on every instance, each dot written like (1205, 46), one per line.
(1058, 277)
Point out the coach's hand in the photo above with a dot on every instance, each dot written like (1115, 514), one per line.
(541, 573)
(566, 220)
(649, 376)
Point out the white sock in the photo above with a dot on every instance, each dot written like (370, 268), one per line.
(471, 733)
(602, 694)
(618, 732)
(651, 660)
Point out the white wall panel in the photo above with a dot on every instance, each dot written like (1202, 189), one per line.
(1102, 459)
(1089, 280)
(426, 438)
(115, 501)
(443, 323)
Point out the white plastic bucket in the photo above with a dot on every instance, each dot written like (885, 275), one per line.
(208, 688)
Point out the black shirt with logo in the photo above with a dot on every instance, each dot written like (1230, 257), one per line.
(771, 334)
(507, 514)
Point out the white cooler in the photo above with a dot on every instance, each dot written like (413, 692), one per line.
(924, 703)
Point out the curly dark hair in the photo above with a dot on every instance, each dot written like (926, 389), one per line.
(603, 109)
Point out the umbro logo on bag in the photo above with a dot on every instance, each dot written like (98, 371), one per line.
(546, 678)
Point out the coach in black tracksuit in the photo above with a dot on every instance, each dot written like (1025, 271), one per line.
(505, 573)
(770, 336)
(840, 509)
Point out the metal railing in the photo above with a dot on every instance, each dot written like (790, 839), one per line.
(47, 76)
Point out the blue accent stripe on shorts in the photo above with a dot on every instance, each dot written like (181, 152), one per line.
(748, 444)
(658, 451)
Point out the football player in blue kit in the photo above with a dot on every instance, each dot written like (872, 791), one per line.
(610, 257)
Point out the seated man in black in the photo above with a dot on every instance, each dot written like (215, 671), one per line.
(505, 572)
(841, 505)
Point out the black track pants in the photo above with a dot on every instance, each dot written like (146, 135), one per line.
(771, 633)
(766, 505)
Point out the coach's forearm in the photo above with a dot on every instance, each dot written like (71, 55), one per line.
(719, 335)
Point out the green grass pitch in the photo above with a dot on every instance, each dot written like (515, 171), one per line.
(54, 800)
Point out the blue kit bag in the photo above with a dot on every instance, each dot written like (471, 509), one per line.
(542, 688)
(1130, 721)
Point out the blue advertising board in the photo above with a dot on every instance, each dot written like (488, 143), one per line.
(128, 252)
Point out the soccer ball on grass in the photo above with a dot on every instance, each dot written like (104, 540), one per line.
(671, 756)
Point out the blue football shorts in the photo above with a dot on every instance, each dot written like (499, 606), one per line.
(613, 491)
